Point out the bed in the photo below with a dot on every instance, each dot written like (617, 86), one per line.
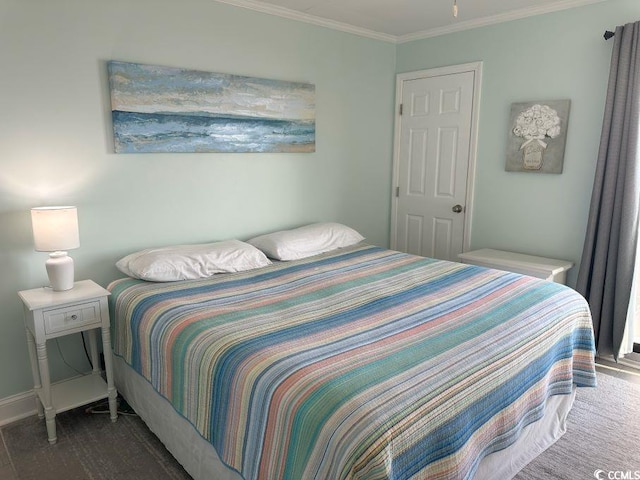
(359, 363)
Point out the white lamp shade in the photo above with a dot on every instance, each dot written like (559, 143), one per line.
(55, 228)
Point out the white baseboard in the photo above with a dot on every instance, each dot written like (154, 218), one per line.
(23, 405)
(17, 407)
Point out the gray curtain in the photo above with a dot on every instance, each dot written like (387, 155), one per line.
(608, 258)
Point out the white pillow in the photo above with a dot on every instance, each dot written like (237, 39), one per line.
(188, 262)
(306, 241)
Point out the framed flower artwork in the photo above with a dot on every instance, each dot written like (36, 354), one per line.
(537, 136)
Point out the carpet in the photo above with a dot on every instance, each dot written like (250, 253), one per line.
(603, 434)
(89, 446)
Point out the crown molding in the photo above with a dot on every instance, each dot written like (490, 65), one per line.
(434, 32)
(312, 19)
(494, 19)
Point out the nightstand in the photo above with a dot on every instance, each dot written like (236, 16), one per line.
(541, 267)
(49, 314)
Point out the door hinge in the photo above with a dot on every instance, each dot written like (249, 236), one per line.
(397, 191)
(401, 109)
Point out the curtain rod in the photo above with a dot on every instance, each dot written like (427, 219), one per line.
(608, 34)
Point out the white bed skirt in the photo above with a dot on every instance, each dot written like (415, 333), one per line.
(202, 462)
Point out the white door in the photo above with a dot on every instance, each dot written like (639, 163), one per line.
(435, 156)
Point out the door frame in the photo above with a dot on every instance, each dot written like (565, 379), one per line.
(476, 68)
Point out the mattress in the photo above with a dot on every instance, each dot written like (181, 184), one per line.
(202, 462)
(359, 363)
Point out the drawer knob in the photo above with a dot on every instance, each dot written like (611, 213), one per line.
(74, 317)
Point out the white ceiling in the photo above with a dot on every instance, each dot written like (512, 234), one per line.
(405, 20)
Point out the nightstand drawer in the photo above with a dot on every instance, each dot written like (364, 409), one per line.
(60, 319)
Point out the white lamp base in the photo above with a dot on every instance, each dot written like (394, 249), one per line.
(60, 271)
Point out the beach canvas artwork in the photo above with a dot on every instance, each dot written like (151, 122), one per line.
(164, 109)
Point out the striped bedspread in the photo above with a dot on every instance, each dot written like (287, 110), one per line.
(363, 363)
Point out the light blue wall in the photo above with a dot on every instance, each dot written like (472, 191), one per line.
(553, 56)
(55, 141)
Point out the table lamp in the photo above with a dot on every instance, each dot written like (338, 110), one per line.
(55, 230)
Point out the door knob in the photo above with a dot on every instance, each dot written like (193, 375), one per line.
(457, 209)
